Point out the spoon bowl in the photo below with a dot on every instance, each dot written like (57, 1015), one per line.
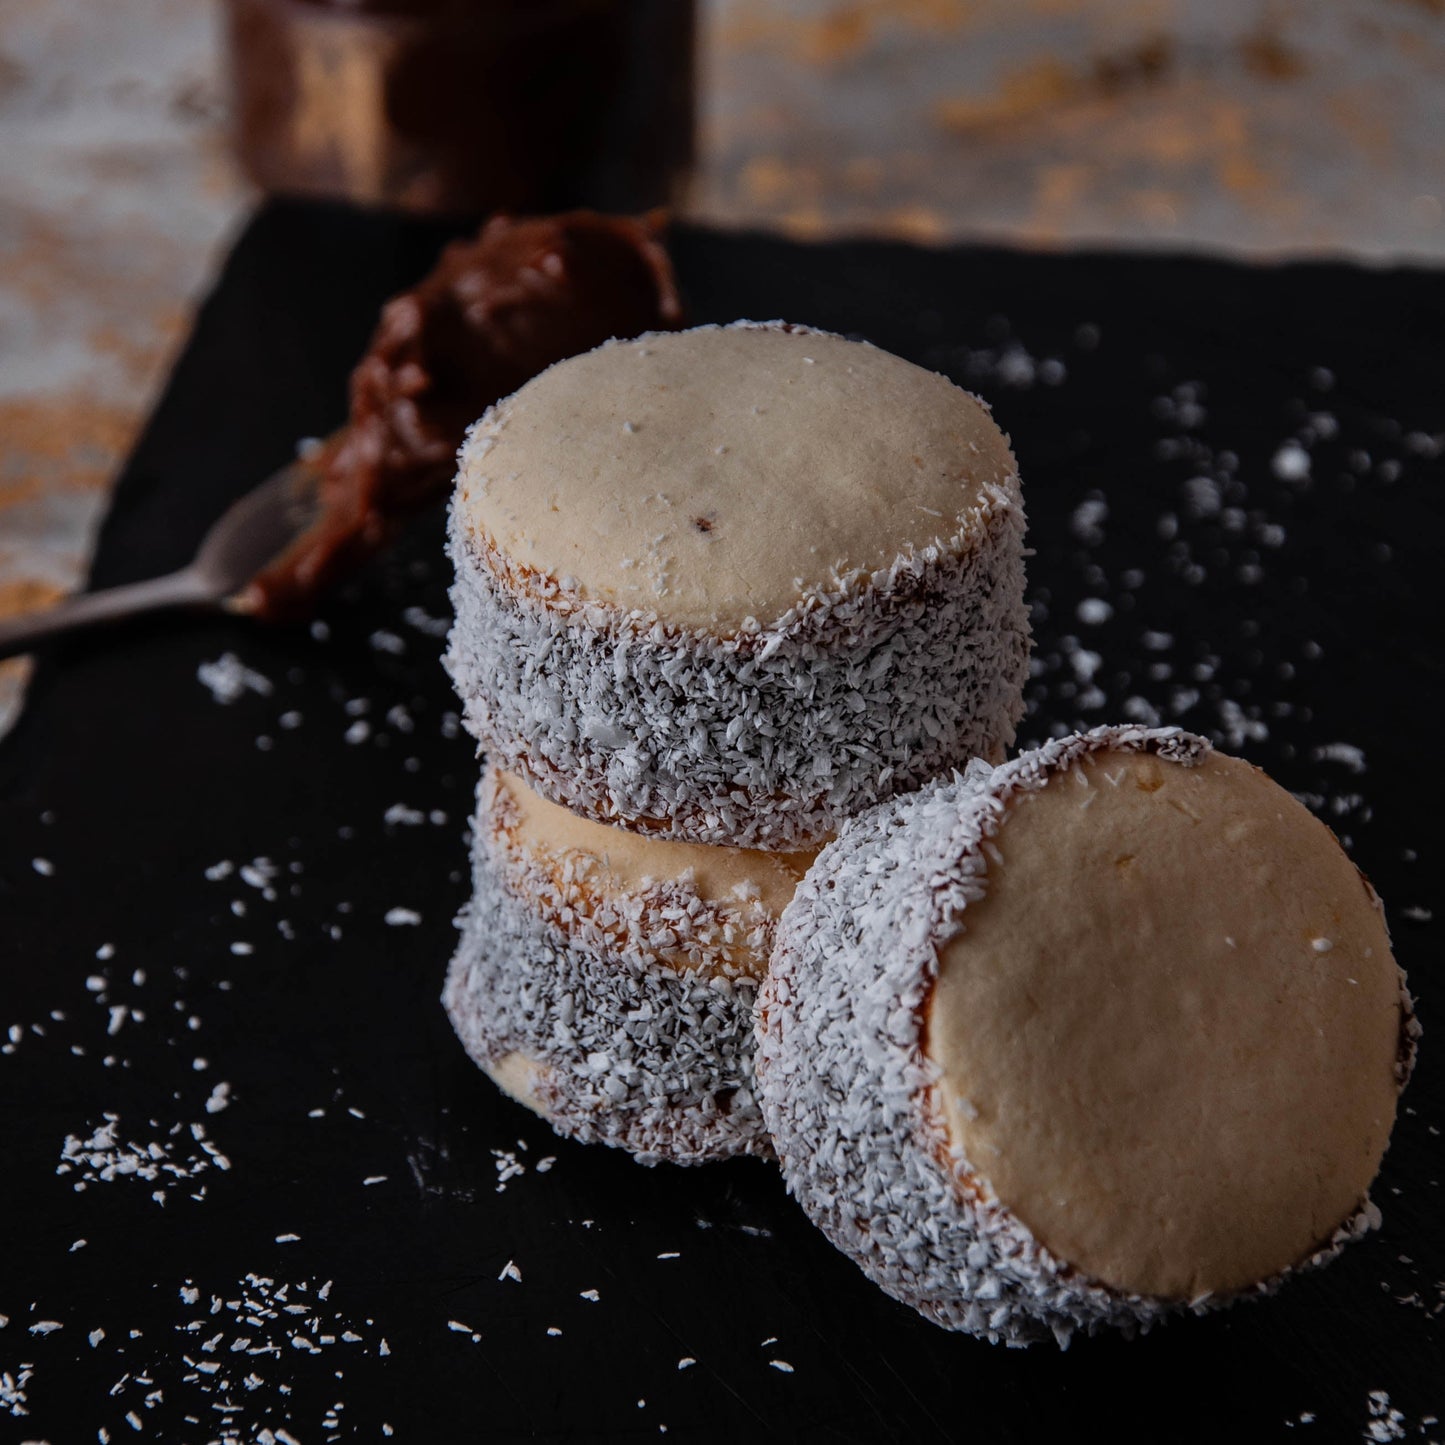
(249, 534)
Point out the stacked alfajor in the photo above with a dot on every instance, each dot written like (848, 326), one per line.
(717, 592)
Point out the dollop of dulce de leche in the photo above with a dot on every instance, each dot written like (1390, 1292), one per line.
(492, 314)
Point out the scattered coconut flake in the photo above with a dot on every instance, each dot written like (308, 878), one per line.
(1346, 754)
(13, 1396)
(1291, 463)
(1386, 1422)
(228, 679)
(177, 1155)
(423, 621)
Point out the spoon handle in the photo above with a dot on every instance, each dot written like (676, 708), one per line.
(177, 589)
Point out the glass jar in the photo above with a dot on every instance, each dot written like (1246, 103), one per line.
(466, 105)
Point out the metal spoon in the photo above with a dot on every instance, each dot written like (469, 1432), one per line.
(248, 535)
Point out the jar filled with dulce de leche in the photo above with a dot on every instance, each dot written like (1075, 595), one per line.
(466, 105)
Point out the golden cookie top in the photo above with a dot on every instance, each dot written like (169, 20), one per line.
(726, 473)
(1167, 1034)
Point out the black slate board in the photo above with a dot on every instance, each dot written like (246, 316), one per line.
(1281, 613)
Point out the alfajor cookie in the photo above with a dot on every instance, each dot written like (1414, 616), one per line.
(732, 585)
(1111, 1031)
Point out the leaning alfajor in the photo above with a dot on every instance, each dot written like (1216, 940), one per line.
(1110, 1031)
(734, 584)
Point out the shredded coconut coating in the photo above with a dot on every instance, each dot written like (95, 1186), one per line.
(768, 738)
(846, 1087)
(638, 1004)
(662, 922)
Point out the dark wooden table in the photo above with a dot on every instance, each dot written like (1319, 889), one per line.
(250, 1182)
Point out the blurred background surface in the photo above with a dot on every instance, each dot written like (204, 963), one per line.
(1261, 130)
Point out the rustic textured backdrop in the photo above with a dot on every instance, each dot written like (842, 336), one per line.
(1264, 128)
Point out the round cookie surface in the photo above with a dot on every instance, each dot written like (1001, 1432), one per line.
(721, 474)
(1106, 1032)
(1167, 1034)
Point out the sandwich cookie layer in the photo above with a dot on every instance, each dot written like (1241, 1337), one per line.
(1107, 1032)
(607, 980)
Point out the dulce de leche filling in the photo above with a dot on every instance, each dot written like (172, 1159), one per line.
(691, 905)
(1167, 1035)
